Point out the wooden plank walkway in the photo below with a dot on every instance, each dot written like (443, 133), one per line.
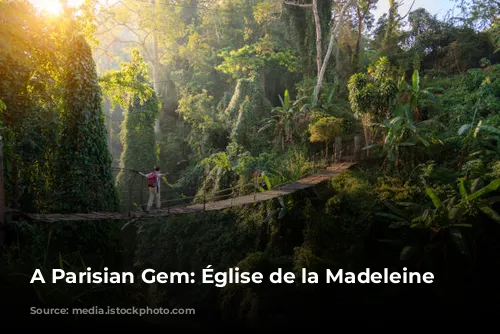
(284, 189)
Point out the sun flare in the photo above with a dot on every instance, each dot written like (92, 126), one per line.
(52, 7)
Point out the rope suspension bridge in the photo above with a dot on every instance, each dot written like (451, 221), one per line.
(223, 199)
(208, 204)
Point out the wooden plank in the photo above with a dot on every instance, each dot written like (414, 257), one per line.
(282, 190)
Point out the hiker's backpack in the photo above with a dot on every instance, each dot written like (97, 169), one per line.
(152, 180)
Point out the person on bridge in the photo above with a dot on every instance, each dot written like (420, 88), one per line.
(154, 187)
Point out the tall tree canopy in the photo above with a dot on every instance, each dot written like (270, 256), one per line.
(83, 172)
(130, 88)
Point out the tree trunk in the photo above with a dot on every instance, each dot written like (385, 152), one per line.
(337, 68)
(317, 24)
(156, 68)
(335, 28)
(357, 148)
(338, 148)
(391, 22)
(366, 131)
(357, 50)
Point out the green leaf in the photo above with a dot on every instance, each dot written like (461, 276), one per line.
(463, 129)
(435, 200)
(395, 209)
(489, 211)
(492, 186)
(407, 253)
(456, 213)
(435, 89)
(287, 98)
(490, 129)
(268, 183)
(423, 140)
(415, 80)
(461, 187)
(421, 223)
(283, 212)
(370, 146)
(460, 225)
(406, 144)
(395, 120)
(330, 96)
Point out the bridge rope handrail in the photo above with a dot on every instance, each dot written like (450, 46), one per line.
(210, 197)
(181, 209)
(201, 193)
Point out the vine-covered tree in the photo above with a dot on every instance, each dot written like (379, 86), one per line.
(247, 109)
(84, 179)
(130, 88)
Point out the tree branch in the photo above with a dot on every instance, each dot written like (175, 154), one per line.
(123, 24)
(117, 40)
(409, 10)
(330, 48)
(319, 51)
(303, 5)
(127, 7)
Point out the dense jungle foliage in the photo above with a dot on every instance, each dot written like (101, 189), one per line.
(242, 96)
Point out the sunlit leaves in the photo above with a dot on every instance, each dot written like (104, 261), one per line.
(250, 59)
(241, 63)
(325, 129)
(197, 109)
(138, 24)
(23, 32)
(130, 82)
(31, 66)
(130, 88)
(196, 51)
(262, 12)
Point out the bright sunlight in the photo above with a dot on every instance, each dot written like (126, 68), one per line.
(53, 7)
